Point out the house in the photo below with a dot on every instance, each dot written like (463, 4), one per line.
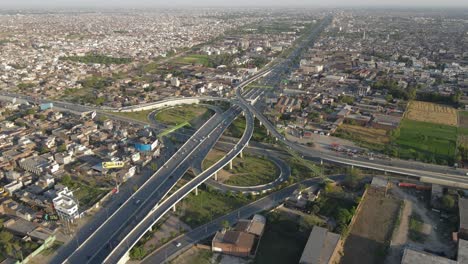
(236, 243)
(241, 240)
(321, 248)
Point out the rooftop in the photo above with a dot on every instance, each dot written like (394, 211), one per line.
(320, 246)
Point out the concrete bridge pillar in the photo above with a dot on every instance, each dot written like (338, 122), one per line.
(216, 176)
(268, 132)
(260, 123)
(321, 161)
(276, 139)
(241, 155)
(173, 208)
(196, 191)
(243, 113)
(352, 166)
(230, 165)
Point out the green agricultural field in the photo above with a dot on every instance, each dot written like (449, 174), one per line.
(251, 171)
(194, 114)
(427, 141)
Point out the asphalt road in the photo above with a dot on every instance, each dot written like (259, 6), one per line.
(94, 248)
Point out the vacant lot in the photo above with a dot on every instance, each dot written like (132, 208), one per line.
(213, 156)
(432, 113)
(427, 141)
(370, 234)
(196, 210)
(194, 114)
(282, 242)
(365, 136)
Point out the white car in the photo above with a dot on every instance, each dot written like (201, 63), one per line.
(178, 244)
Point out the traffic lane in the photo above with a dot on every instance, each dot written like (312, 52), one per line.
(105, 233)
(108, 209)
(142, 212)
(99, 255)
(166, 205)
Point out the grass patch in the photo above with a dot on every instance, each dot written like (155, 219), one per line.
(141, 116)
(208, 205)
(52, 248)
(415, 228)
(427, 141)
(192, 59)
(213, 157)
(86, 195)
(194, 114)
(236, 129)
(282, 242)
(299, 171)
(251, 171)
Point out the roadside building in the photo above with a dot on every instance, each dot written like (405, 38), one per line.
(242, 239)
(379, 186)
(321, 248)
(463, 209)
(65, 205)
(234, 243)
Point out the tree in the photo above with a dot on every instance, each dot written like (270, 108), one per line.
(353, 177)
(154, 166)
(62, 148)
(5, 237)
(67, 180)
(138, 253)
(448, 201)
(225, 224)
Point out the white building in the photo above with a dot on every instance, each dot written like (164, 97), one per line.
(65, 205)
(175, 82)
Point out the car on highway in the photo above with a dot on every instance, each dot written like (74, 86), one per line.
(137, 201)
(178, 244)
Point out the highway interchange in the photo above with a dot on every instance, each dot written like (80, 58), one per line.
(111, 241)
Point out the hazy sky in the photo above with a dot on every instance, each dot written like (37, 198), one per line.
(205, 3)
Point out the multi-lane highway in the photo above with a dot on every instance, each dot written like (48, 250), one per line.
(95, 248)
(119, 253)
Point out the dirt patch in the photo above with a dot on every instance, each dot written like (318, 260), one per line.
(430, 228)
(367, 134)
(432, 113)
(370, 235)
